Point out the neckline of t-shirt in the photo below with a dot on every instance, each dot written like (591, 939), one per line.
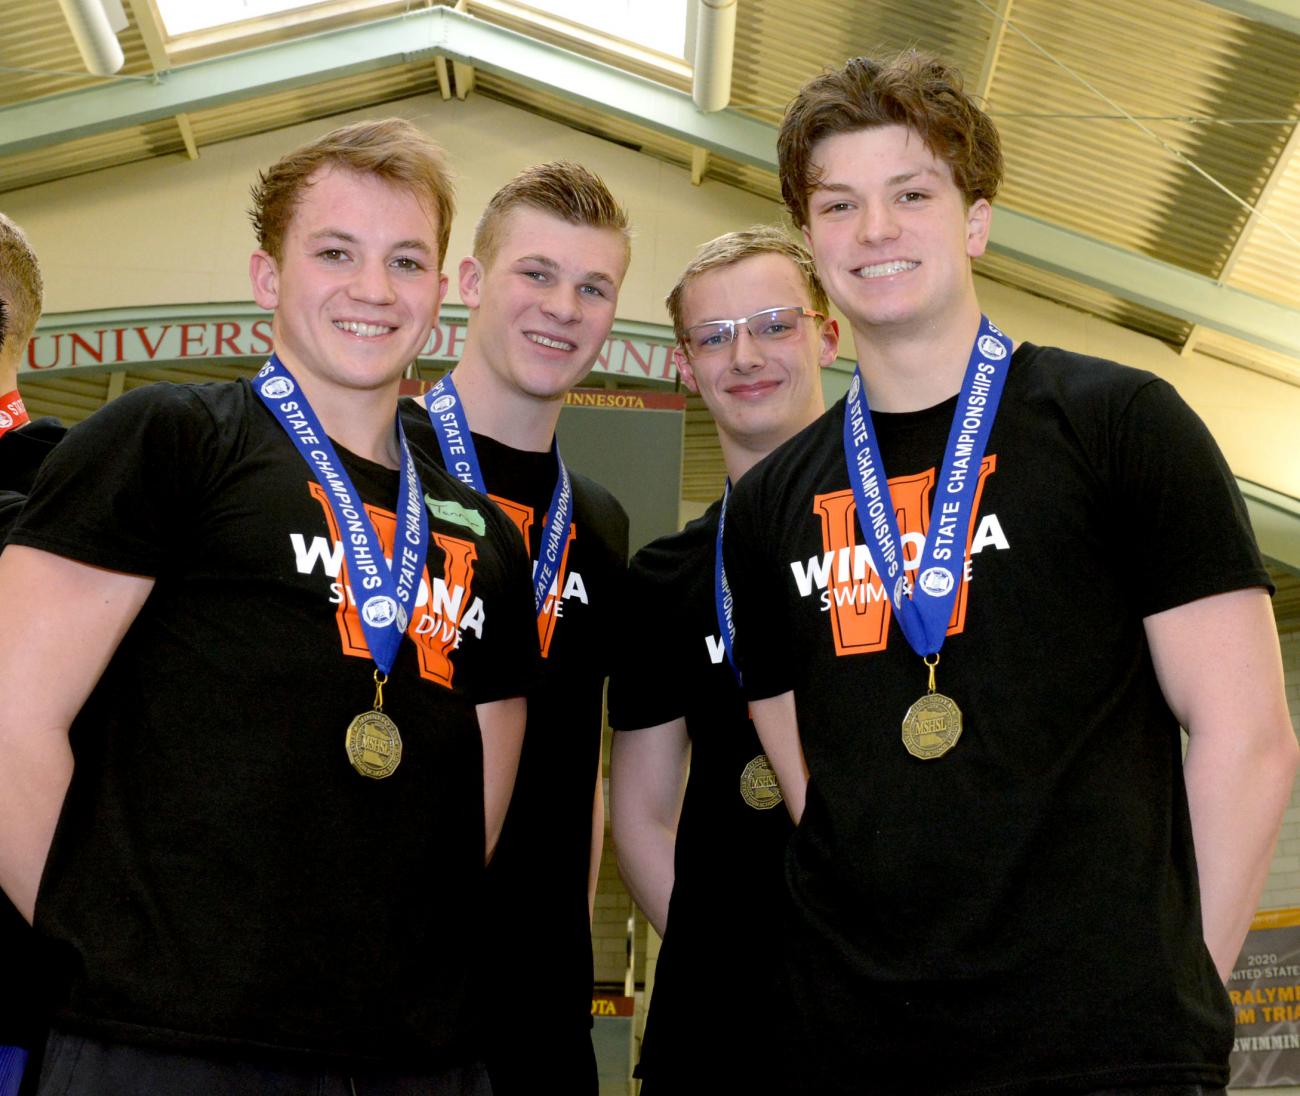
(924, 418)
(522, 462)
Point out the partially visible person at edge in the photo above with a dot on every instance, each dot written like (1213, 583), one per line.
(550, 252)
(24, 444)
(291, 758)
(752, 325)
(1005, 877)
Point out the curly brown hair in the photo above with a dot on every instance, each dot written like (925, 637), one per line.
(392, 149)
(914, 89)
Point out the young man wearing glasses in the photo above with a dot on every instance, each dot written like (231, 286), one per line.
(974, 602)
(706, 869)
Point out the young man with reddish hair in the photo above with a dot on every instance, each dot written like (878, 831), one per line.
(751, 320)
(292, 756)
(974, 604)
(550, 252)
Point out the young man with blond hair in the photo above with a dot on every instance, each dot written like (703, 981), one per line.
(550, 252)
(753, 330)
(292, 757)
(974, 603)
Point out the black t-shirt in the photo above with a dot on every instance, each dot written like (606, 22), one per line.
(541, 865)
(220, 876)
(22, 452)
(1027, 903)
(728, 900)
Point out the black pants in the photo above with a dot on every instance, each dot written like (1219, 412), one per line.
(563, 1063)
(77, 1066)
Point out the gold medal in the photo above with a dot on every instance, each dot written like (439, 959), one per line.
(758, 784)
(933, 724)
(373, 743)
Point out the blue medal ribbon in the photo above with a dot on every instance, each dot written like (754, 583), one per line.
(13, 1060)
(722, 600)
(443, 404)
(924, 609)
(384, 593)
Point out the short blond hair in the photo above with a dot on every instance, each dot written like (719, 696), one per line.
(561, 188)
(734, 247)
(21, 288)
(391, 149)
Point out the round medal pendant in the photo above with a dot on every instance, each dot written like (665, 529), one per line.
(373, 744)
(931, 727)
(758, 784)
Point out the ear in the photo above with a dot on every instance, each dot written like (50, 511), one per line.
(264, 274)
(684, 369)
(443, 285)
(978, 219)
(471, 281)
(830, 342)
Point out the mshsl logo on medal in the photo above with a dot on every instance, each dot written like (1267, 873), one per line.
(5, 420)
(443, 403)
(936, 581)
(759, 787)
(379, 611)
(277, 388)
(992, 348)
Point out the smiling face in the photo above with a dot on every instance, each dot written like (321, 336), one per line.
(892, 235)
(357, 287)
(759, 392)
(541, 310)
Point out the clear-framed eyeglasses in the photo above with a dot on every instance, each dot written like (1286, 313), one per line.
(770, 325)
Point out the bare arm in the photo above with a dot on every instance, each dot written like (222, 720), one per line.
(70, 618)
(1219, 667)
(597, 835)
(501, 725)
(647, 777)
(778, 730)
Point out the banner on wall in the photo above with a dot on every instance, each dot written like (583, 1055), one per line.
(1265, 993)
(126, 343)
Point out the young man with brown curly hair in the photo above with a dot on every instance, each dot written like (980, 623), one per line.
(974, 603)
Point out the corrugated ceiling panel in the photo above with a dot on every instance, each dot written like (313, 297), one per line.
(1270, 263)
(1104, 177)
(780, 46)
(703, 469)
(1282, 367)
(90, 154)
(1085, 298)
(576, 116)
(287, 108)
(69, 399)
